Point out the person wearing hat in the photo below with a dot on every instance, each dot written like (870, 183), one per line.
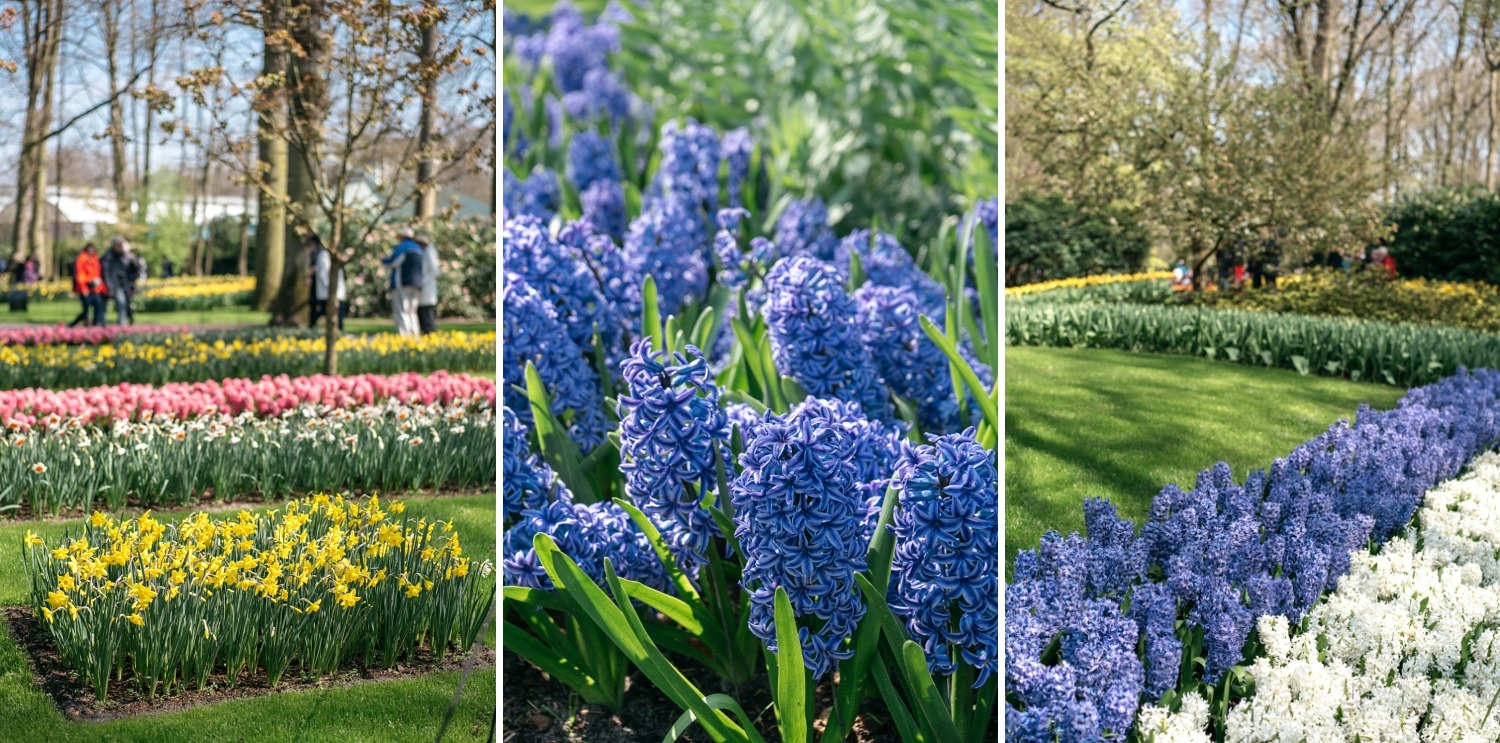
(427, 302)
(406, 282)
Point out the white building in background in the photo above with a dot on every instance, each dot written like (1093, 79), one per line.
(86, 212)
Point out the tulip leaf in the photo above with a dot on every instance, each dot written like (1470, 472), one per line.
(557, 447)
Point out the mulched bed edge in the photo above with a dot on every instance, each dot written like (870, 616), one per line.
(124, 700)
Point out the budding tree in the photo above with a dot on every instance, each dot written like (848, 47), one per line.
(345, 114)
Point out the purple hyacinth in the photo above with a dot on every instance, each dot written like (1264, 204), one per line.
(614, 279)
(737, 147)
(689, 168)
(877, 447)
(909, 362)
(744, 418)
(559, 275)
(538, 196)
(670, 242)
(886, 263)
(986, 216)
(815, 335)
(673, 434)
(603, 96)
(947, 556)
(533, 334)
(591, 158)
(604, 207)
(802, 229)
(576, 48)
(1089, 687)
(798, 517)
(589, 534)
(1223, 554)
(529, 482)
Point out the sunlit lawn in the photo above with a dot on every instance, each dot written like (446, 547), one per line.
(1118, 425)
(63, 311)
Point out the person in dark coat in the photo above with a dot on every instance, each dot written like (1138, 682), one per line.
(116, 265)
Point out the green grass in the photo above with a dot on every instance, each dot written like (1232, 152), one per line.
(393, 711)
(1118, 425)
(63, 311)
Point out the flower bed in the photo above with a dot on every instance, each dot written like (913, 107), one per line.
(1084, 282)
(195, 293)
(1372, 295)
(188, 358)
(1405, 649)
(1397, 354)
(22, 410)
(89, 335)
(163, 461)
(1096, 625)
(314, 584)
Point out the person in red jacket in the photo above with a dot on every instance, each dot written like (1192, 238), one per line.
(88, 282)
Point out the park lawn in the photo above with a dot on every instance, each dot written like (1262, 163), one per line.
(58, 312)
(388, 711)
(1083, 423)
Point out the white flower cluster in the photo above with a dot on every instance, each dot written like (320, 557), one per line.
(1406, 649)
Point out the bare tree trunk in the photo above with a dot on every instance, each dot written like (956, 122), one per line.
(111, 20)
(309, 107)
(1450, 140)
(153, 39)
(426, 143)
(42, 29)
(1492, 158)
(270, 231)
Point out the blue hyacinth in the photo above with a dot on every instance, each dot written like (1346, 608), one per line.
(947, 556)
(603, 96)
(538, 196)
(670, 243)
(802, 229)
(560, 275)
(617, 277)
(886, 263)
(589, 534)
(815, 335)
(575, 48)
(533, 334)
(672, 436)
(798, 516)
(689, 167)
(1223, 554)
(738, 146)
(529, 482)
(591, 158)
(909, 362)
(1091, 685)
(604, 207)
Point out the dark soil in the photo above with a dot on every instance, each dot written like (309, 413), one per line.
(539, 709)
(125, 700)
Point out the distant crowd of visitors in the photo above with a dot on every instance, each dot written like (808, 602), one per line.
(1237, 266)
(116, 275)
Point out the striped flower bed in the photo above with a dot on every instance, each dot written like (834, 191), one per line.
(1098, 626)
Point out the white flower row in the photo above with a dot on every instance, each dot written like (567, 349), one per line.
(1407, 648)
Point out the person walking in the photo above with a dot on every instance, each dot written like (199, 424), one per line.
(115, 267)
(168, 268)
(88, 282)
(406, 282)
(427, 302)
(322, 265)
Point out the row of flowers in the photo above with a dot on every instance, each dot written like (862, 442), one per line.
(1097, 626)
(88, 335)
(23, 410)
(186, 358)
(392, 446)
(1406, 648)
(316, 583)
(1082, 282)
(176, 286)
